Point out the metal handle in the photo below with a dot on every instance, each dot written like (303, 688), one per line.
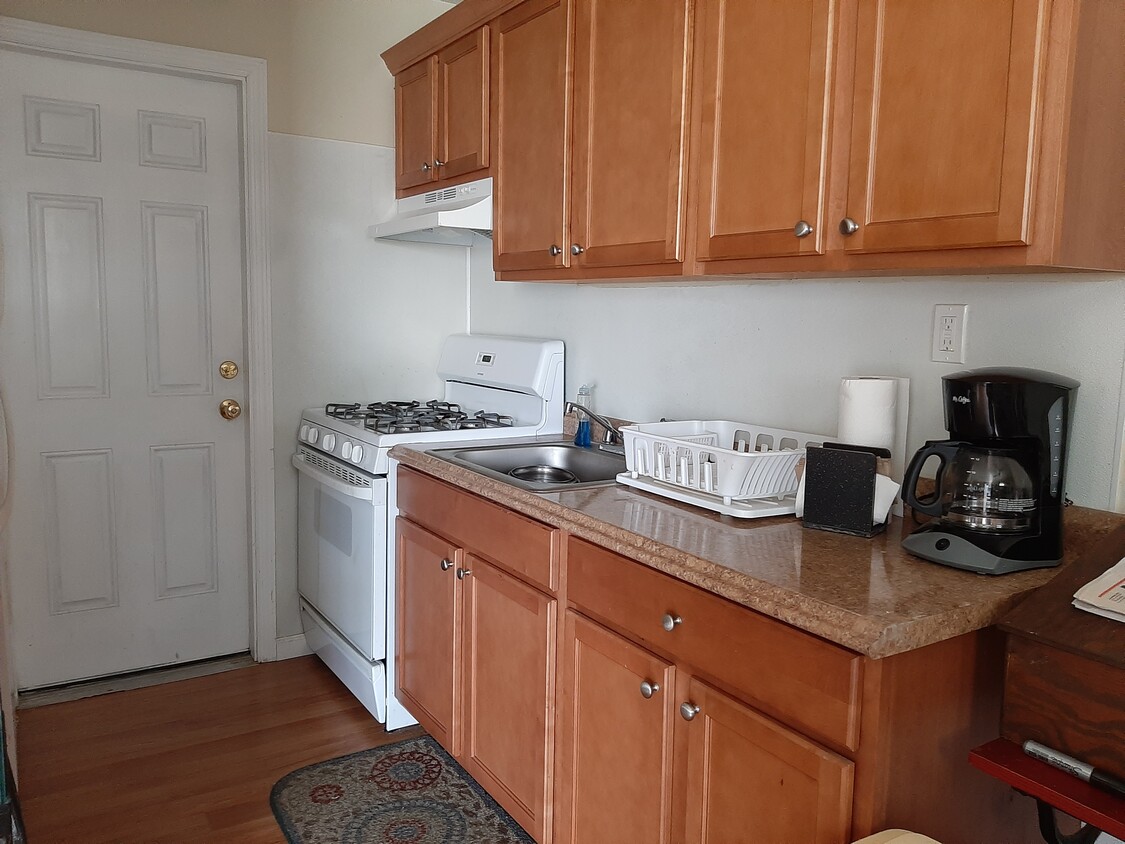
(438, 163)
(425, 167)
(848, 227)
(228, 369)
(649, 689)
(670, 621)
(230, 409)
(555, 250)
(688, 710)
(446, 565)
(802, 229)
(463, 573)
(575, 249)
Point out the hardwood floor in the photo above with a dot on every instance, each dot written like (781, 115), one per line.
(187, 761)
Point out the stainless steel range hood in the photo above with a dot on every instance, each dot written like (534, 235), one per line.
(453, 215)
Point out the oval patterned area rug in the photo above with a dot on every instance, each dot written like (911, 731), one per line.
(410, 792)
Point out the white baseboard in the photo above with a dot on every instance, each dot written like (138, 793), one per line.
(289, 647)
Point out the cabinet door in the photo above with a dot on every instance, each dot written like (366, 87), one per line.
(530, 133)
(943, 124)
(415, 111)
(750, 779)
(630, 101)
(615, 743)
(508, 671)
(763, 86)
(462, 131)
(427, 635)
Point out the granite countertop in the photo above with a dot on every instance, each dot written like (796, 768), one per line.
(868, 595)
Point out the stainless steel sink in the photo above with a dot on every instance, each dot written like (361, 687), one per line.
(540, 467)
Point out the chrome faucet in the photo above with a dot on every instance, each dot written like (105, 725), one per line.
(612, 433)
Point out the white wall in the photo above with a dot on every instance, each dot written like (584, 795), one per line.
(773, 352)
(353, 319)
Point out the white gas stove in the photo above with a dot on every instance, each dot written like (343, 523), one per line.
(494, 387)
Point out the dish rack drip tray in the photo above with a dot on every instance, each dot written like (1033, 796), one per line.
(742, 470)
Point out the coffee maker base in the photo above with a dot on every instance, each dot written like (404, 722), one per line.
(953, 549)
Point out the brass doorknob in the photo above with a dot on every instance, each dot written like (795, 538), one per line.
(230, 409)
(228, 369)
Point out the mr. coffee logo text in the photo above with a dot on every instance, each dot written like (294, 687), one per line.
(961, 399)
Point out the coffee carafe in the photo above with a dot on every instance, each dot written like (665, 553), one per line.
(998, 492)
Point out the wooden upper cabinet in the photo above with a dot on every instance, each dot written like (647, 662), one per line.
(751, 779)
(462, 124)
(441, 115)
(530, 130)
(763, 90)
(630, 122)
(944, 123)
(415, 109)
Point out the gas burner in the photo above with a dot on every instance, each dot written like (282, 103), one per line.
(393, 408)
(444, 407)
(343, 411)
(494, 420)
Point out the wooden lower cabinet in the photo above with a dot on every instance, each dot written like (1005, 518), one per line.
(751, 779)
(616, 704)
(475, 664)
(648, 753)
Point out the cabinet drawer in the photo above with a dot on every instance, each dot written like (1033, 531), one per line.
(787, 673)
(521, 545)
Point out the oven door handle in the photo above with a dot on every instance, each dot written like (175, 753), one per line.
(321, 477)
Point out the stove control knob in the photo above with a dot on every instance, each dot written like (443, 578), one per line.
(346, 450)
(314, 435)
(304, 434)
(329, 442)
(357, 454)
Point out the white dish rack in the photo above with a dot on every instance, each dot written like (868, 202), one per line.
(736, 468)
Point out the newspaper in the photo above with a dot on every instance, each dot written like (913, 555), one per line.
(1105, 594)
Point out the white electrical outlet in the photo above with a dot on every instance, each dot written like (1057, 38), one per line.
(949, 333)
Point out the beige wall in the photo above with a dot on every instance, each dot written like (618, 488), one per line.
(326, 79)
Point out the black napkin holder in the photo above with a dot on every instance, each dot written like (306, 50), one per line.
(840, 488)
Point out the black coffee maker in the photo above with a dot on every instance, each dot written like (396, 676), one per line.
(998, 501)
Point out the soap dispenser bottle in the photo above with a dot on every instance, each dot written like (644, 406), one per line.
(582, 438)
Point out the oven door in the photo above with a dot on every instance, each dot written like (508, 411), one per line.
(342, 548)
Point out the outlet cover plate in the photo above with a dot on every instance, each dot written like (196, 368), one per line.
(949, 333)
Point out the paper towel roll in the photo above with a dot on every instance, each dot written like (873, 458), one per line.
(868, 411)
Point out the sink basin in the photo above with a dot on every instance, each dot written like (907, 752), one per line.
(540, 467)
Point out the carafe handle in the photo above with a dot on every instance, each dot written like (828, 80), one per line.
(945, 450)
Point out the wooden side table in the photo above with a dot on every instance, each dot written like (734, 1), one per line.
(1064, 687)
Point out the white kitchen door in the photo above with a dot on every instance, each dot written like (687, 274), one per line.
(123, 285)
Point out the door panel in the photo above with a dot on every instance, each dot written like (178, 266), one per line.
(750, 779)
(764, 90)
(942, 142)
(615, 745)
(463, 108)
(415, 116)
(427, 636)
(531, 107)
(630, 96)
(121, 218)
(508, 733)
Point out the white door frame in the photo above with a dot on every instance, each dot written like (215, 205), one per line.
(248, 75)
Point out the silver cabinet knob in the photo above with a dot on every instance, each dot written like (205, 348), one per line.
(438, 163)
(688, 710)
(575, 249)
(425, 167)
(802, 229)
(649, 689)
(555, 250)
(446, 565)
(671, 622)
(848, 227)
(463, 573)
